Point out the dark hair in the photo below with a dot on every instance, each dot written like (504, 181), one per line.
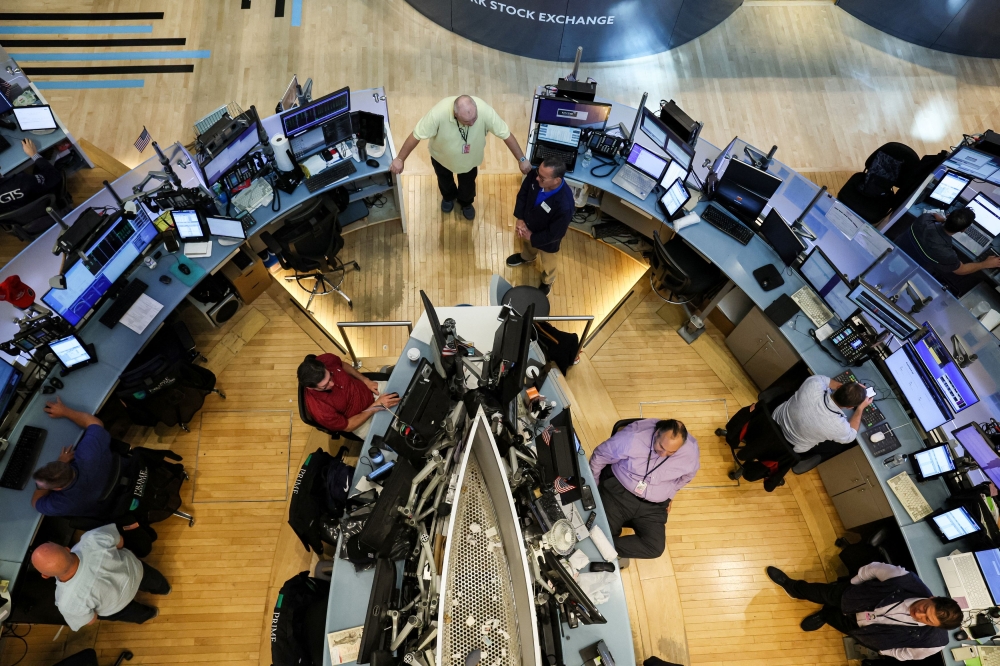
(56, 474)
(311, 371)
(850, 395)
(672, 426)
(948, 612)
(959, 220)
(557, 165)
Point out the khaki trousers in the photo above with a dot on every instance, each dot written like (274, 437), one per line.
(548, 259)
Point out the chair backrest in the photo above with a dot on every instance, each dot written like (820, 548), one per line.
(897, 151)
(307, 418)
(114, 472)
(311, 235)
(766, 437)
(621, 424)
(667, 272)
(30, 220)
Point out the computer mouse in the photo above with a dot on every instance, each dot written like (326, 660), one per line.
(372, 162)
(166, 279)
(765, 284)
(877, 437)
(184, 268)
(56, 382)
(48, 390)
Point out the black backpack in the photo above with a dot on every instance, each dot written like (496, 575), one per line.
(319, 496)
(298, 625)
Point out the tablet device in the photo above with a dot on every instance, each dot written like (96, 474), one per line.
(933, 462)
(35, 118)
(948, 188)
(674, 198)
(954, 524)
(189, 225)
(72, 352)
(226, 227)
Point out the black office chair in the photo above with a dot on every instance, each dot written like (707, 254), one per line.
(621, 424)
(873, 548)
(308, 243)
(871, 193)
(29, 222)
(681, 272)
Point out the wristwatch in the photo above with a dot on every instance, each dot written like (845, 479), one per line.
(523, 158)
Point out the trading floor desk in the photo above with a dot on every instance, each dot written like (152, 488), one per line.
(852, 256)
(88, 388)
(349, 591)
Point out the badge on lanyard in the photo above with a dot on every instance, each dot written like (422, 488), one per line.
(546, 207)
(465, 149)
(640, 488)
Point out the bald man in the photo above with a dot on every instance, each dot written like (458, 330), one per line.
(455, 129)
(98, 579)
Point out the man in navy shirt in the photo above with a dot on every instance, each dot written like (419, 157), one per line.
(543, 210)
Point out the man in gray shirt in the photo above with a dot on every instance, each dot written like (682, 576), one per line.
(813, 418)
(98, 579)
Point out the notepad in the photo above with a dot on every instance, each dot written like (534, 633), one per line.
(910, 497)
(141, 313)
(198, 250)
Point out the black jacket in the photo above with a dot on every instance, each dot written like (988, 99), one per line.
(547, 228)
(23, 187)
(872, 594)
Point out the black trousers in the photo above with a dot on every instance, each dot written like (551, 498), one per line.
(137, 613)
(465, 193)
(139, 540)
(827, 595)
(647, 519)
(828, 449)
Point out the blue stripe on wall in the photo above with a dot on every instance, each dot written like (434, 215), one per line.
(74, 29)
(296, 13)
(116, 55)
(88, 85)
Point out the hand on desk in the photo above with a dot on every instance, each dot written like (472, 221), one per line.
(57, 409)
(396, 166)
(387, 400)
(67, 454)
(29, 147)
(992, 261)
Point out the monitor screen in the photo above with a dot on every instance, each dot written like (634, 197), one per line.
(973, 163)
(987, 213)
(31, 118)
(934, 462)
(974, 441)
(665, 139)
(925, 406)
(949, 188)
(675, 171)
(883, 311)
(315, 113)
(566, 112)
(10, 377)
(989, 562)
(723, 158)
(225, 226)
(230, 155)
(5, 104)
(781, 237)
(675, 197)
(69, 351)
(750, 178)
(107, 259)
(950, 381)
(291, 95)
(955, 524)
(187, 224)
(567, 136)
(821, 275)
(647, 161)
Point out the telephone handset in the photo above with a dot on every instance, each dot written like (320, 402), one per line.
(854, 339)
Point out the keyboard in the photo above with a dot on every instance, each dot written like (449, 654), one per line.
(22, 460)
(727, 225)
(813, 306)
(611, 229)
(872, 414)
(543, 152)
(910, 497)
(887, 445)
(633, 181)
(972, 580)
(125, 300)
(331, 175)
(978, 236)
(258, 194)
(247, 221)
(989, 656)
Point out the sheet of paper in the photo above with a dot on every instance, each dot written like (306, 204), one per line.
(845, 220)
(198, 249)
(873, 242)
(344, 645)
(141, 313)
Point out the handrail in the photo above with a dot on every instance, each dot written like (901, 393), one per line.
(322, 329)
(587, 318)
(363, 324)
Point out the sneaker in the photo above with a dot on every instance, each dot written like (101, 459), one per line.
(545, 288)
(515, 260)
(623, 563)
(447, 206)
(469, 212)
(814, 622)
(780, 578)
(169, 588)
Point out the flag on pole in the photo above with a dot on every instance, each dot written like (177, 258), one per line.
(143, 140)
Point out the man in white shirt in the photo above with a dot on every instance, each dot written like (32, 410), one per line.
(98, 579)
(813, 419)
(885, 608)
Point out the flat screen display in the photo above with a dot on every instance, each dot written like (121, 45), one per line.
(987, 213)
(568, 113)
(666, 139)
(989, 563)
(675, 197)
(233, 153)
(973, 163)
(70, 351)
(31, 118)
(883, 311)
(675, 171)
(902, 365)
(10, 377)
(781, 237)
(821, 275)
(976, 444)
(955, 524)
(949, 188)
(187, 224)
(301, 119)
(567, 136)
(226, 227)
(948, 378)
(647, 161)
(934, 462)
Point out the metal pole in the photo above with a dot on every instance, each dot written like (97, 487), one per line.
(363, 324)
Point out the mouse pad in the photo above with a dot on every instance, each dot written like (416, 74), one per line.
(197, 272)
(768, 277)
(782, 309)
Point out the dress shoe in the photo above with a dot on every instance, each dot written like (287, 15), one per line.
(447, 206)
(814, 622)
(780, 578)
(469, 212)
(515, 260)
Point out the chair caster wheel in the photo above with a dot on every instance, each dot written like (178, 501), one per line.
(184, 427)
(720, 432)
(841, 543)
(128, 655)
(191, 523)
(735, 474)
(222, 394)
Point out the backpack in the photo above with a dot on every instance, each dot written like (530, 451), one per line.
(298, 625)
(319, 496)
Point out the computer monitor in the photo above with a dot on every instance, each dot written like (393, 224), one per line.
(989, 564)
(216, 168)
(781, 237)
(741, 201)
(291, 96)
(513, 380)
(370, 127)
(948, 188)
(884, 311)
(10, 377)
(35, 118)
(674, 172)
(113, 253)
(302, 119)
(987, 213)
(675, 197)
(665, 138)
(679, 122)
(72, 352)
(973, 163)
(927, 408)
(832, 287)
(955, 524)
(566, 136)
(5, 104)
(226, 227)
(570, 113)
(647, 161)
(978, 446)
(438, 340)
(933, 462)
(383, 591)
(949, 380)
(720, 162)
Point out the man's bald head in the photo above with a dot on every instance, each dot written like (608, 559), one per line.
(465, 110)
(52, 560)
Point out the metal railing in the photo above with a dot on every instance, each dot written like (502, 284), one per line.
(322, 329)
(365, 324)
(587, 318)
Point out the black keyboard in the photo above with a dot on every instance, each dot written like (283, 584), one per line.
(125, 300)
(331, 175)
(887, 445)
(611, 229)
(727, 225)
(543, 152)
(23, 458)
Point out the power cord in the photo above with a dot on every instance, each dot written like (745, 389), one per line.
(601, 163)
(377, 201)
(10, 632)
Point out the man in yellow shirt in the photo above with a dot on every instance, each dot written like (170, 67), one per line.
(456, 129)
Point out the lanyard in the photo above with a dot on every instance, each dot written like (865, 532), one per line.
(885, 615)
(826, 403)
(463, 130)
(650, 455)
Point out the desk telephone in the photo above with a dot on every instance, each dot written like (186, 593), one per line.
(605, 145)
(854, 338)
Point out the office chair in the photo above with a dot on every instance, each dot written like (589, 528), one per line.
(308, 243)
(682, 272)
(870, 193)
(28, 222)
(161, 390)
(621, 424)
(88, 657)
(873, 548)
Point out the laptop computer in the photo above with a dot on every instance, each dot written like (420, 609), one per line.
(980, 235)
(641, 172)
(557, 141)
(972, 579)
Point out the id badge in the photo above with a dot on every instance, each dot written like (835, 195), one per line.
(640, 488)
(465, 149)
(548, 209)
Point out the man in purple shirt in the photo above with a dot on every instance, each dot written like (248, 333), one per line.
(639, 470)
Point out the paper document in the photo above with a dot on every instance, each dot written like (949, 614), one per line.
(873, 242)
(845, 220)
(198, 249)
(344, 645)
(910, 497)
(141, 313)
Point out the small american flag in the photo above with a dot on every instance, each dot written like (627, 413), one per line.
(143, 140)
(563, 486)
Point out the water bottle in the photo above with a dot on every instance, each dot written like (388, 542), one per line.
(587, 157)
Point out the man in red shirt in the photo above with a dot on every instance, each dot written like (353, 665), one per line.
(340, 398)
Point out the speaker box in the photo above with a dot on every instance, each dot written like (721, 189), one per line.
(224, 310)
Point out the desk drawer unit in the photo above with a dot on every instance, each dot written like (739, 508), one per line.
(854, 488)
